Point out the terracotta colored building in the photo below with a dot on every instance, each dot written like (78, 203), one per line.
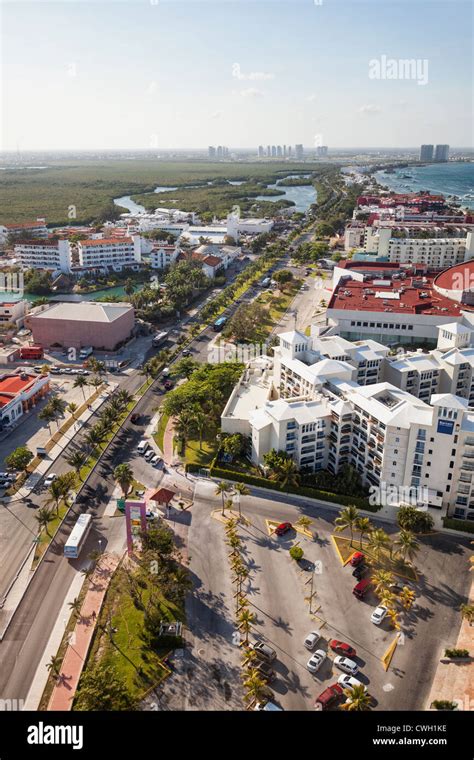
(20, 392)
(88, 323)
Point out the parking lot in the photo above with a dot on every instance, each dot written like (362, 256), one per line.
(279, 590)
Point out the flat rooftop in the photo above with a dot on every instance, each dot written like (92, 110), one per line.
(412, 295)
(85, 311)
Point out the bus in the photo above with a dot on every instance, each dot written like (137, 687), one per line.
(159, 339)
(219, 324)
(77, 537)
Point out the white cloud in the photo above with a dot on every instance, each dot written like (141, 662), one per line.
(369, 109)
(251, 92)
(253, 76)
(311, 98)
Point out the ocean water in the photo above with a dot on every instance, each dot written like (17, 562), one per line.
(445, 179)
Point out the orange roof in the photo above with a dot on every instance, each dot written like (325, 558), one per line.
(163, 495)
(106, 241)
(15, 383)
(212, 261)
(24, 224)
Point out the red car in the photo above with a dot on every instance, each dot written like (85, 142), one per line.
(283, 528)
(168, 385)
(333, 694)
(357, 558)
(342, 648)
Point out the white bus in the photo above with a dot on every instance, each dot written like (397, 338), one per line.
(78, 536)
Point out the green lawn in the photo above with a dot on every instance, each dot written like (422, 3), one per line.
(160, 433)
(203, 456)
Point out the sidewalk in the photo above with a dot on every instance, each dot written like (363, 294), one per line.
(454, 681)
(76, 653)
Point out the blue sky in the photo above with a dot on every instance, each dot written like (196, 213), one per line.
(135, 74)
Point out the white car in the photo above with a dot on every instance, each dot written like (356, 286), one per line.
(312, 639)
(267, 707)
(348, 682)
(50, 479)
(150, 515)
(378, 614)
(149, 455)
(156, 460)
(316, 660)
(347, 665)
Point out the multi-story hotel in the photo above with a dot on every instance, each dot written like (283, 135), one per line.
(114, 253)
(36, 229)
(325, 414)
(53, 255)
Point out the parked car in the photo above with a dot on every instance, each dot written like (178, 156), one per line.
(312, 639)
(149, 455)
(316, 660)
(283, 528)
(265, 670)
(359, 571)
(361, 588)
(268, 706)
(342, 648)
(167, 385)
(156, 460)
(330, 696)
(347, 665)
(357, 558)
(50, 479)
(151, 515)
(55, 370)
(378, 614)
(264, 651)
(135, 418)
(185, 352)
(348, 682)
(398, 587)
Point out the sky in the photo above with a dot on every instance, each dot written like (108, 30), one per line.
(174, 74)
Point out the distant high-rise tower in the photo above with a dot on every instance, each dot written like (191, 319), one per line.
(269, 151)
(322, 150)
(261, 152)
(279, 151)
(284, 151)
(441, 153)
(299, 152)
(274, 151)
(426, 153)
(219, 151)
(289, 150)
(212, 151)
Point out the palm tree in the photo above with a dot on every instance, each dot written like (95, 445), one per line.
(183, 426)
(223, 488)
(95, 437)
(44, 370)
(240, 489)
(58, 406)
(123, 474)
(364, 526)
(348, 518)
(407, 597)
(255, 686)
(467, 612)
(408, 545)
(77, 459)
(75, 606)
(245, 620)
(55, 494)
(123, 397)
(286, 474)
(378, 541)
(358, 699)
(54, 666)
(47, 415)
(304, 522)
(381, 581)
(80, 382)
(95, 381)
(200, 420)
(44, 517)
(72, 409)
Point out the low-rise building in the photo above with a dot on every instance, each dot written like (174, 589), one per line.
(162, 256)
(19, 392)
(13, 312)
(104, 326)
(115, 253)
(37, 229)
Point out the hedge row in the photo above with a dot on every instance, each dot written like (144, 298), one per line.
(312, 493)
(465, 525)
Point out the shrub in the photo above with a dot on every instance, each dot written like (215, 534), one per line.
(453, 653)
(463, 525)
(410, 518)
(296, 553)
(444, 704)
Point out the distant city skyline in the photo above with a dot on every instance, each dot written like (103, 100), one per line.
(167, 76)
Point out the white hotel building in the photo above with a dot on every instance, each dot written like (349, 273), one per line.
(320, 415)
(55, 256)
(437, 251)
(114, 253)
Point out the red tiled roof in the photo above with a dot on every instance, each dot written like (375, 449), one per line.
(23, 225)
(212, 261)
(163, 495)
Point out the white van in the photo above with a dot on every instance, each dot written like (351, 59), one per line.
(142, 447)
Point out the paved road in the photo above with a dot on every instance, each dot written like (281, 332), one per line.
(278, 590)
(23, 644)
